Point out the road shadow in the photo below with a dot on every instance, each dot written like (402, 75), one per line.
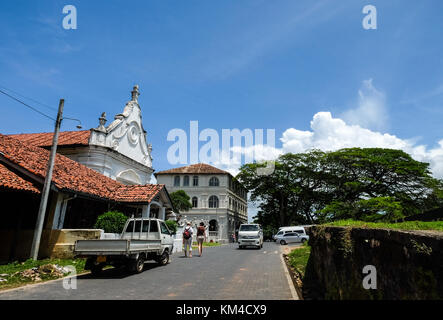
(118, 273)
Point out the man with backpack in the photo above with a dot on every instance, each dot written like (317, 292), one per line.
(187, 239)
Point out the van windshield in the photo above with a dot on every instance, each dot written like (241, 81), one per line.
(249, 227)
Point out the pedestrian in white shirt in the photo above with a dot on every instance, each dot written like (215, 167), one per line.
(187, 239)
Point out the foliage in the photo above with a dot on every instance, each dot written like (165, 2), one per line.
(207, 244)
(371, 184)
(298, 258)
(180, 201)
(375, 209)
(111, 222)
(407, 225)
(172, 225)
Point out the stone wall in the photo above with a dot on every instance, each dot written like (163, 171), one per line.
(409, 264)
(53, 243)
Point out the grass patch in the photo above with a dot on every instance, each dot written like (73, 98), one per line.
(207, 244)
(11, 271)
(298, 258)
(407, 225)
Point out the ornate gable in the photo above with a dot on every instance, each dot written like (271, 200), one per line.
(125, 134)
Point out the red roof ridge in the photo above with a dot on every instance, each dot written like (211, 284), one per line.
(44, 139)
(197, 168)
(71, 175)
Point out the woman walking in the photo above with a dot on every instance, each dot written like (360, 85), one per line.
(201, 236)
(187, 239)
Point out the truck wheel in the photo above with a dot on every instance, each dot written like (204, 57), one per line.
(96, 269)
(303, 241)
(282, 242)
(164, 258)
(136, 265)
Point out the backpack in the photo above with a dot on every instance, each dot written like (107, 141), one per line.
(187, 234)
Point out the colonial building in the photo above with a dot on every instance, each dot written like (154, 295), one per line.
(218, 199)
(102, 169)
(118, 151)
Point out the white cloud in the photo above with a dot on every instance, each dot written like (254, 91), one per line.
(371, 111)
(328, 134)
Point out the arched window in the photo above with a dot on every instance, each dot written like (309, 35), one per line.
(195, 181)
(186, 181)
(194, 202)
(177, 181)
(213, 225)
(213, 182)
(213, 202)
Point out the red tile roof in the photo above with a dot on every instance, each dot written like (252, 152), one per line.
(199, 168)
(70, 175)
(10, 180)
(44, 139)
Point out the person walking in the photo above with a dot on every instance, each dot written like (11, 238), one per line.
(187, 239)
(201, 236)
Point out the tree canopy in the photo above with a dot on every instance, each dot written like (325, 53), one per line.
(355, 183)
(180, 201)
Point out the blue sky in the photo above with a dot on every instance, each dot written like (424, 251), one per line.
(234, 64)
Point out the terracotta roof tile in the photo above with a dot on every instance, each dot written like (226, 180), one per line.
(199, 168)
(10, 180)
(70, 175)
(44, 139)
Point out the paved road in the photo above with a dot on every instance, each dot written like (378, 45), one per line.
(221, 273)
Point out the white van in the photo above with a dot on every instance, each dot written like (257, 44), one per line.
(283, 230)
(250, 235)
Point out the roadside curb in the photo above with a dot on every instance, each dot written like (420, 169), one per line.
(294, 292)
(32, 285)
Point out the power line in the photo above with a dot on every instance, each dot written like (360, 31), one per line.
(33, 100)
(27, 105)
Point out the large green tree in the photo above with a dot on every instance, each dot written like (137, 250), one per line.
(180, 201)
(365, 184)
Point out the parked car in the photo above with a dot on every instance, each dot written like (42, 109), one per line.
(283, 230)
(290, 237)
(250, 235)
(142, 239)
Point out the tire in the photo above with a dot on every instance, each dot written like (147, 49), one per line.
(240, 247)
(96, 269)
(282, 242)
(164, 258)
(303, 241)
(136, 265)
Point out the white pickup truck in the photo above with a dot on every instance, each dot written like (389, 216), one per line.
(142, 239)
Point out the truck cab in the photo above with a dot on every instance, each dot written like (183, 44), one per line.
(250, 235)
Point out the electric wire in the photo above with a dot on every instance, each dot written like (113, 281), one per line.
(27, 105)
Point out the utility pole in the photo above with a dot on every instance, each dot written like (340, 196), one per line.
(47, 185)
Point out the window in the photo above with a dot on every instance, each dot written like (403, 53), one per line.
(131, 226)
(249, 227)
(164, 228)
(186, 181)
(213, 182)
(145, 226)
(153, 226)
(213, 202)
(194, 202)
(176, 181)
(195, 181)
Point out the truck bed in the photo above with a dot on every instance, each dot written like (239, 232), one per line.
(115, 246)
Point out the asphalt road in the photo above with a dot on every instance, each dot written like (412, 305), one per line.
(224, 272)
